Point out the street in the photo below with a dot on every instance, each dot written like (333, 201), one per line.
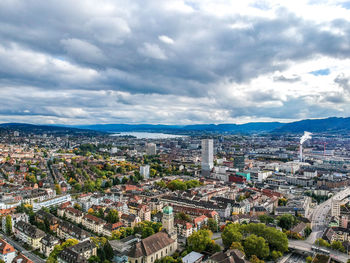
(22, 250)
(305, 246)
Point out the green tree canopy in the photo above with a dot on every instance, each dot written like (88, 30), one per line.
(254, 245)
(199, 240)
(231, 234)
(286, 221)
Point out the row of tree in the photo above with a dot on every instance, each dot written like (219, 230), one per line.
(179, 184)
(255, 239)
(336, 245)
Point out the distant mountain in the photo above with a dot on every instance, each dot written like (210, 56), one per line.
(41, 129)
(129, 127)
(239, 128)
(216, 128)
(332, 124)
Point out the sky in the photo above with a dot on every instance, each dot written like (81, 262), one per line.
(173, 61)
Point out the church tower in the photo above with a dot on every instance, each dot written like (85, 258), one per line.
(168, 222)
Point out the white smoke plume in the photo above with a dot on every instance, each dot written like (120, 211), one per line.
(305, 137)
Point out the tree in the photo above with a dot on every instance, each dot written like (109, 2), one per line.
(213, 225)
(337, 245)
(276, 239)
(266, 219)
(286, 221)
(8, 225)
(199, 240)
(161, 184)
(308, 259)
(58, 189)
(112, 216)
(108, 251)
(237, 245)
(77, 206)
(77, 187)
(212, 247)
(58, 248)
(282, 202)
(275, 255)
(307, 231)
(183, 216)
(177, 185)
(254, 245)
(147, 231)
(94, 259)
(231, 234)
(124, 180)
(255, 259)
(322, 243)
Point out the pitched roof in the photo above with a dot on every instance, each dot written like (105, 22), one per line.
(151, 245)
(70, 256)
(230, 256)
(30, 230)
(21, 259)
(5, 247)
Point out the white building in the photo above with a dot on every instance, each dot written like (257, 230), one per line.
(144, 171)
(52, 202)
(151, 149)
(207, 155)
(7, 252)
(335, 207)
(15, 218)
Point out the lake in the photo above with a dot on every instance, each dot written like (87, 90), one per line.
(149, 135)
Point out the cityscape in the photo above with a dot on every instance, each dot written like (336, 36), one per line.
(174, 131)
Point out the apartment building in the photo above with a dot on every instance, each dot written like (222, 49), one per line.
(29, 234)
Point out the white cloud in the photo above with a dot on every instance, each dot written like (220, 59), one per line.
(166, 39)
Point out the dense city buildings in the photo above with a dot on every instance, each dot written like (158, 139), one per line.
(78, 197)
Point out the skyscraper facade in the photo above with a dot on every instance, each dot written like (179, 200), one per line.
(151, 149)
(207, 156)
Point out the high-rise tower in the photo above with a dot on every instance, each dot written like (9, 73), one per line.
(168, 222)
(207, 156)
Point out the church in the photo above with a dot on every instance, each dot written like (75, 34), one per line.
(159, 245)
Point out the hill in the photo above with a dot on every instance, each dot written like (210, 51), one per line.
(48, 129)
(216, 128)
(329, 125)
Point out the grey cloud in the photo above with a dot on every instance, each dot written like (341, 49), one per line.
(113, 48)
(282, 78)
(343, 81)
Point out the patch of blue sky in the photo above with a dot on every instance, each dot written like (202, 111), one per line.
(321, 72)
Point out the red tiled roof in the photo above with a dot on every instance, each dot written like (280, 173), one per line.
(5, 247)
(21, 259)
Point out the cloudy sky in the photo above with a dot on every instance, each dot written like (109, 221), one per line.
(173, 61)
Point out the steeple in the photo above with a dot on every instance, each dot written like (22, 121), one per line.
(168, 222)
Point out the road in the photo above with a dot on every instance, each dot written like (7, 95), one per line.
(320, 213)
(319, 222)
(305, 246)
(21, 249)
